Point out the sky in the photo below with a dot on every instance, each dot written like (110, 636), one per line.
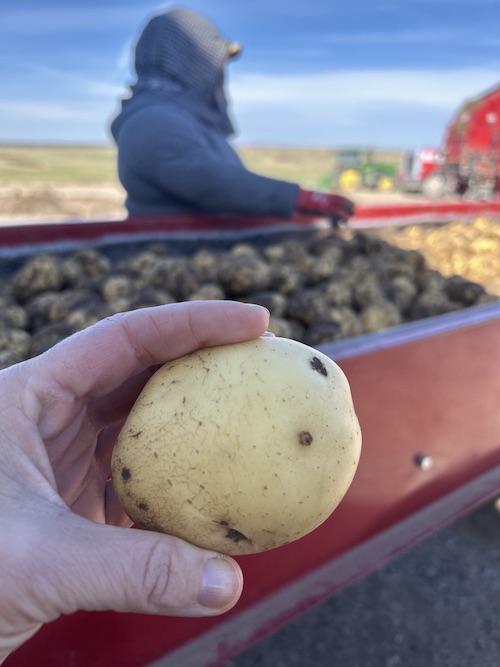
(372, 73)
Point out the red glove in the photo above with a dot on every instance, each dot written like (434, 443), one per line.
(337, 208)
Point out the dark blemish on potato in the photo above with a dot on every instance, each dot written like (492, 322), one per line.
(223, 523)
(202, 487)
(265, 488)
(169, 482)
(305, 438)
(235, 535)
(151, 525)
(126, 474)
(317, 365)
(184, 400)
(143, 506)
(135, 435)
(189, 502)
(155, 454)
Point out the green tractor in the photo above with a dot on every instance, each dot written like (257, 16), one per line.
(356, 169)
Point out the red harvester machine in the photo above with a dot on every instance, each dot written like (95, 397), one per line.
(468, 163)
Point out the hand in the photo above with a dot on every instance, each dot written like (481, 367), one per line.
(338, 209)
(63, 546)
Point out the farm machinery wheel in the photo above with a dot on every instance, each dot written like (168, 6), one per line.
(435, 186)
(385, 184)
(350, 180)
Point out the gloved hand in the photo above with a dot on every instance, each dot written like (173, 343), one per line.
(337, 208)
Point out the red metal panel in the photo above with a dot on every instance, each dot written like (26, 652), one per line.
(31, 236)
(431, 387)
(37, 236)
(423, 211)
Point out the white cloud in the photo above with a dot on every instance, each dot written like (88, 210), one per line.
(63, 83)
(54, 112)
(124, 60)
(389, 108)
(435, 88)
(55, 121)
(380, 107)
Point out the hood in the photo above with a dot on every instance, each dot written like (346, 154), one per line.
(179, 54)
(182, 46)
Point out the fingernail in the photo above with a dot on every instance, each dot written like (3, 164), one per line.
(257, 305)
(268, 334)
(220, 583)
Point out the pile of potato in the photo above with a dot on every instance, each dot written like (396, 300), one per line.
(470, 249)
(319, 288)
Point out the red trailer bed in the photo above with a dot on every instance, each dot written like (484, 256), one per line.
(39, 233)
(427, 396)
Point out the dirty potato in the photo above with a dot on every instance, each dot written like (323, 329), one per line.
(239, 448)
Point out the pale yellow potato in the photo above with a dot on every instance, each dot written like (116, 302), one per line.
(239, 448)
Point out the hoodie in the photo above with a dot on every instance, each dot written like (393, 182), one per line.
(172, 132)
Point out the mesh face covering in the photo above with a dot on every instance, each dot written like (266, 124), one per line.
(180, 50)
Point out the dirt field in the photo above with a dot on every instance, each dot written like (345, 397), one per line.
(20, 202)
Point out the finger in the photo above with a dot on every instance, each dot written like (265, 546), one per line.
(115, 515)
(96, 567)
(99, 359)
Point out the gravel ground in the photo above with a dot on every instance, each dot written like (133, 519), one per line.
(436, 606)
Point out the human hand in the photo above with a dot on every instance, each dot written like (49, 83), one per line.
(338, 209)
(63, 546)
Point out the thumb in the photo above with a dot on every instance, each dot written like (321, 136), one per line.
(101, 567)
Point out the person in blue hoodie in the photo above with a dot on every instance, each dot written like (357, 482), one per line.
(172, 132)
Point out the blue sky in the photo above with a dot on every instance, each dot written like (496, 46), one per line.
(381, 73)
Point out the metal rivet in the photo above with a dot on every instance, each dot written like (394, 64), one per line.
(424, 461)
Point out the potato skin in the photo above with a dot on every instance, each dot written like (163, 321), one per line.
(239, 448)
